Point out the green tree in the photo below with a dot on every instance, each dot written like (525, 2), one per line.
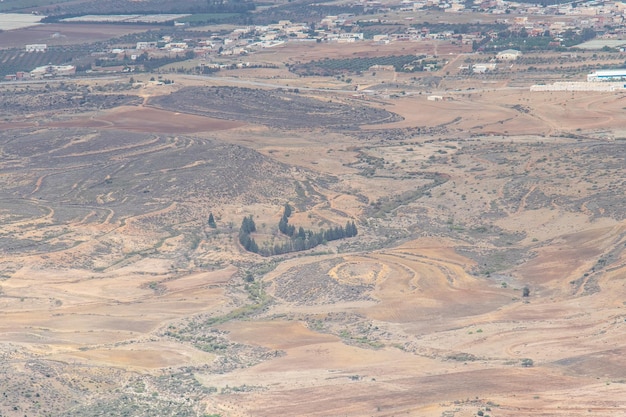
(350, 229)
(288, 210)
(212, 221)
(247, 225)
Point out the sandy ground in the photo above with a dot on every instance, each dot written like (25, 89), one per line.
(492, 111)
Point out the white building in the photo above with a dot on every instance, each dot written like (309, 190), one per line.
(607, 75)
(36, 47)
(52, 71)
(484, 67)
(509, 55)
(146, 45)
(178, 46)
(355, 36)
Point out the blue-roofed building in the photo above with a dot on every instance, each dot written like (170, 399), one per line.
(607, 75)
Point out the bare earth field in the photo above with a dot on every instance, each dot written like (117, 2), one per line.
(117, 298)
(67, 34)
(150, 120)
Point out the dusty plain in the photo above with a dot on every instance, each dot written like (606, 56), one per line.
(59, 34)
(117, 298)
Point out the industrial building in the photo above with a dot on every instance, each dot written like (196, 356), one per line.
(607, 75)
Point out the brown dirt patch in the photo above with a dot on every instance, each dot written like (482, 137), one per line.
(276, 334)
(572, 254)
(140, 356)
(146, 119)
(67, 34)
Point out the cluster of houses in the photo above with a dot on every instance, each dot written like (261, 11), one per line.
(248, 39)
(606, 8)
(598, 15)
(346, 28)
(241, 41)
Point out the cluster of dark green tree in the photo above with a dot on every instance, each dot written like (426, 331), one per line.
(314, 238)
(522, 40)
(247, 227)
(300, 239)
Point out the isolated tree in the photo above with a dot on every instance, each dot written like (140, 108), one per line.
(212, 221)
(526, 292)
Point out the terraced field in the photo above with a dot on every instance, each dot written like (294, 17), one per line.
(118, 298)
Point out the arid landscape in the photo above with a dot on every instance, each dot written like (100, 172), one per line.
(487, 277)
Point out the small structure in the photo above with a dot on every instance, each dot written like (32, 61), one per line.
(483, 67)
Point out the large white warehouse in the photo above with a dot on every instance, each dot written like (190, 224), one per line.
(607, 75)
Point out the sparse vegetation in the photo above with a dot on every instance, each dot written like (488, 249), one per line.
(331, 67)
(126, 289)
